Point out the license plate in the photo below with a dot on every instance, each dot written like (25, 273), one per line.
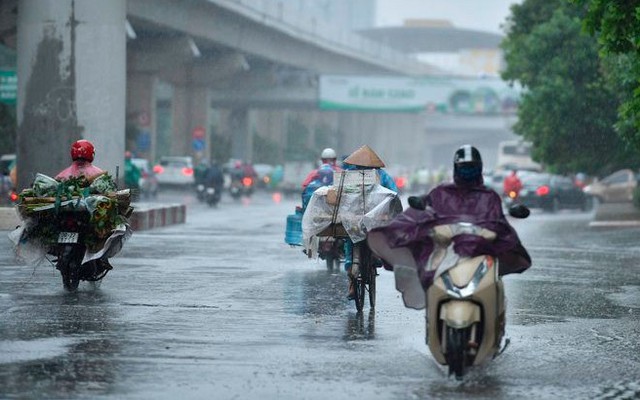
(211, 190)
(68, 237)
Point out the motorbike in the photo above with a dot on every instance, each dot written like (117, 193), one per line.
(212, 196)
(241, 187)
(70, 251)
(465, 303)
(331, 250)
(200, 192)
(510, 198)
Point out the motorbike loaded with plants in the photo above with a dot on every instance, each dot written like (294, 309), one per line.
(80, 222)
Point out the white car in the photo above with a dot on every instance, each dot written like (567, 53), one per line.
(172, 170)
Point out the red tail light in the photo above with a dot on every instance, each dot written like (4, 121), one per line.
(400, 182)
(247, 181)
(542, 190)
(13, 197)
(158, 169)
(187, 171)
(69, 224)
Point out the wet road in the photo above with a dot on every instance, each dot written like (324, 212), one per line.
(222, 308)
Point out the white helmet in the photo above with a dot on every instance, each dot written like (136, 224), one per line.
(328, 153)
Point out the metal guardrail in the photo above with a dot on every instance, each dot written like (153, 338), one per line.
(280, 15)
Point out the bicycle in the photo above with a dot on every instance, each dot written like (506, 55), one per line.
(364, 281)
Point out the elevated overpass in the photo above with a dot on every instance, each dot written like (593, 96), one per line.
(233, 68)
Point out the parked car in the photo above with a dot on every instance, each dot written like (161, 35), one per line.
(8, 195)
(148, 180)
(173, 170)
(552, 193)
(615, 188)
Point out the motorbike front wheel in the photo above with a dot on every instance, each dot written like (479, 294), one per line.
(457, 351)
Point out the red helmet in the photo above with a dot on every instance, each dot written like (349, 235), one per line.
(82, 149)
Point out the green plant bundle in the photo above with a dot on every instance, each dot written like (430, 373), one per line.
(42, 204)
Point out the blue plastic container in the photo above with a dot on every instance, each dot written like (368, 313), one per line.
(293, 234)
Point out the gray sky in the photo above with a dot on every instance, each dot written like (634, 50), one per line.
(486, 15)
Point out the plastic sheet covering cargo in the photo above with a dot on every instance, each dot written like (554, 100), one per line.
(356, 202)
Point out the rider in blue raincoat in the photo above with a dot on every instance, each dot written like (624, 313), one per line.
(323, 177)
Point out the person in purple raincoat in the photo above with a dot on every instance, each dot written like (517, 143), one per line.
(465, 200)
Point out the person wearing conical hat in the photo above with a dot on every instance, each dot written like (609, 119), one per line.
(366, 158)
(363, 158)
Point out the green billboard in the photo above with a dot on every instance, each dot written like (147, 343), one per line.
(8, 86)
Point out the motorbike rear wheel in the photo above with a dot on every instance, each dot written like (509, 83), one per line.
(70, 271)
(331, 262)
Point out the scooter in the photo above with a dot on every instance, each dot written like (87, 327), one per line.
(465, 304)
(241, 187)
(200, 192)
(212, 196)
(510, 198)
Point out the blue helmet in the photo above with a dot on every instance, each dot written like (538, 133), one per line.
(325, 174)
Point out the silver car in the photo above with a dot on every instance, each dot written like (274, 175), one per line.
(173, 170)
(615, 188)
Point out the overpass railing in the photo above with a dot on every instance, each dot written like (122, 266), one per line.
(280, 15)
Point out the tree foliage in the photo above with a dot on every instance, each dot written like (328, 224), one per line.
(568, 107)
(616, 25)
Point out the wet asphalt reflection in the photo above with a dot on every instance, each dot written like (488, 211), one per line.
(221, 308)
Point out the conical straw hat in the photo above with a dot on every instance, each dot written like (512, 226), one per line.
(364, 157)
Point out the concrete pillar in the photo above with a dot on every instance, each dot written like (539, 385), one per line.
(190, 110)
(241, 137)
(198, 114)
(181, 137)
(71, 83)
(141, 111)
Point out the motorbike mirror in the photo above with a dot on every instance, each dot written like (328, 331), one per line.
(519, 211)
(417, 203)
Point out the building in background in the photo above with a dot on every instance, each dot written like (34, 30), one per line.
(456, 51)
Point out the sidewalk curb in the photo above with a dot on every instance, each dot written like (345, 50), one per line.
(616, 215)
(150, 217)
(144, 217)
(614, 224)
